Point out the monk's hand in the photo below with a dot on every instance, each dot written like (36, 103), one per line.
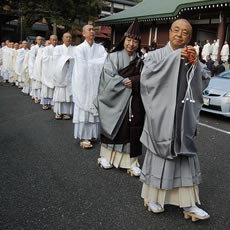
(192, 55)
(128, 84)
(184, 53)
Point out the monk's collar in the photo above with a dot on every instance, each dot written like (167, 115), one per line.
(89, 44)
(130, 57)
(66, 46)
(169, 44)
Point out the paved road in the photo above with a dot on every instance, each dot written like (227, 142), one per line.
(48, 182)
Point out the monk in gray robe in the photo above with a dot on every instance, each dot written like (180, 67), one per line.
(120, 107)
(172, 82)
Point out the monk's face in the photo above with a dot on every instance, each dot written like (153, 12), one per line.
(24, 44)
(67, 39)
(180, 34)
(88, 32)
(16, 46)
(131, 45)
(53, 40)
(47, 43)
(39, 40)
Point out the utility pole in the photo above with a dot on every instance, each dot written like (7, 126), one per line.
(21, 28)
(54, 27)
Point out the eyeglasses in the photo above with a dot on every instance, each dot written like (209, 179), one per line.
(176, 30)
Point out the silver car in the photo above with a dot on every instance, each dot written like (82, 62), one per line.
(217, 95)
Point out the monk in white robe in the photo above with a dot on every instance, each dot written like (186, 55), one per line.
(18, 67)
(37, 72)
(1, 52)
(224, 52)
(0, 61)
(15, 54)
(197, 48)
(206, 50)
(88, 65)
(4, 61)
(214, 50)
(62, 78)
(11, 63)
(9, 59)
(47, 78)
(25, 74)
(35, 85)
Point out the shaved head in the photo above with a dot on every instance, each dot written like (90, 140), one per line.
(67, 39)
(24, 44)
(39, 40)
(180, 33)
(16, 45)
(184, 21)
(67, 34)
(47, 43)
(89, 33)
(11, 45)
(53, 36)
(53, 39)
(85, 27)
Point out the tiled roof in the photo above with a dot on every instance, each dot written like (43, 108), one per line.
(154, 10)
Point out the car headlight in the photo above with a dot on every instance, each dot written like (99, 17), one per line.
(227, 94)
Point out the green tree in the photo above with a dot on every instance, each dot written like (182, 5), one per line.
(63, 12)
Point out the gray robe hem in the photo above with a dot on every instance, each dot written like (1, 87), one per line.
(122, 148)
(168, 174)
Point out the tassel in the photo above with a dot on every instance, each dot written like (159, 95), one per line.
(189, 76)
(130, 110)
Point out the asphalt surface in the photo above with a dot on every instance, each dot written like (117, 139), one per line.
(48, 182)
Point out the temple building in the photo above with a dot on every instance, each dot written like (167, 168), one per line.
(115, 6)
(210, 20)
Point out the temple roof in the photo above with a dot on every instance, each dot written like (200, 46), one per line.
(154, 10)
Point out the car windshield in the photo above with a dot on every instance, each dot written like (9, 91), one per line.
(225, 74)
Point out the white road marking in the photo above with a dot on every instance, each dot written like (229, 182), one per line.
(217, 129)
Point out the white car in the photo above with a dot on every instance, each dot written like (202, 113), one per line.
(217, 95)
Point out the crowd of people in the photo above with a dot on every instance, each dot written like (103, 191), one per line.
(129, 100)
(209, 54)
